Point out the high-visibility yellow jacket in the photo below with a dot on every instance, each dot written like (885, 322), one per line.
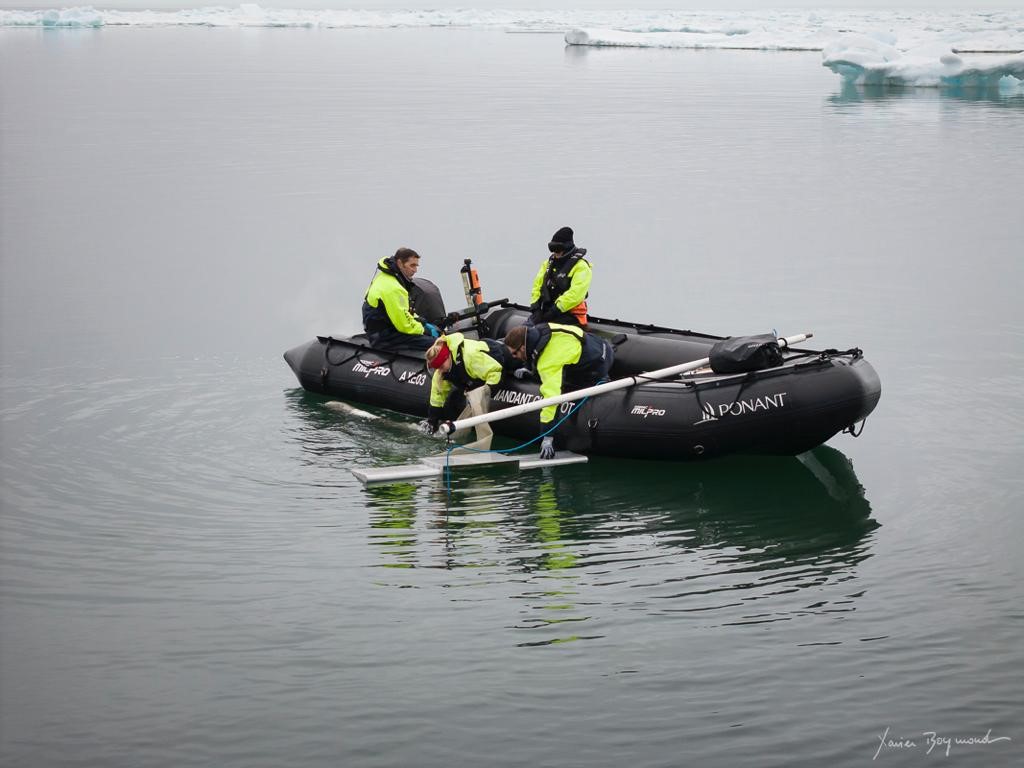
(550, 347)
(566, 291)
(472, 364)
(387, 302)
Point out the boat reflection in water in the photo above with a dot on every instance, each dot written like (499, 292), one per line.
(569, 551)
(739, 541)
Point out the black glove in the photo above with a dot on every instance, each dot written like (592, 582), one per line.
(451, 319)
(433, 419)
(536, 314)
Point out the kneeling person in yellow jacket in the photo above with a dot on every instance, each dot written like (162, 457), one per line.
(565, 358)
(464, 372)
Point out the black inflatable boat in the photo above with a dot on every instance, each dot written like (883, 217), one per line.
(789, 408)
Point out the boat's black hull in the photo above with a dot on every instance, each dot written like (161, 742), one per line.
(785, 410)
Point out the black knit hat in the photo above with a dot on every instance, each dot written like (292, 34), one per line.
(561, 240)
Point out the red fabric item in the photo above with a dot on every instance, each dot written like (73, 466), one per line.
(443, 354)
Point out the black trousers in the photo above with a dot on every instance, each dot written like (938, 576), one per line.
(595, 365)
(392, 339)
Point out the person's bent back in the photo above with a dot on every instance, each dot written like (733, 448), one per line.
(564, 358)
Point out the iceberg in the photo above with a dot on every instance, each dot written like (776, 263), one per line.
(756, 39)
(959, 31)
(66, 17)
(862, 60)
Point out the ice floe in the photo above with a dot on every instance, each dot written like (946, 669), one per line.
(913, 48)
(864, 60)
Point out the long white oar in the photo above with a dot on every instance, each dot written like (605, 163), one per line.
(451, 426)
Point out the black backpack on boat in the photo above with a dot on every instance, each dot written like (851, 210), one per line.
(739, 354)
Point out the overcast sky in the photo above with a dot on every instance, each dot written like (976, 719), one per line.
(547, 4)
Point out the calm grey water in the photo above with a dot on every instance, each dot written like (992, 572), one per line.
(190, 576)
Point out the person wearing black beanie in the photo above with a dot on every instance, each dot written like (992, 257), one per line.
(562, 284)
(561, 241)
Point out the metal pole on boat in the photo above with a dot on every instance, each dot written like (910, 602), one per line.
(451, 426)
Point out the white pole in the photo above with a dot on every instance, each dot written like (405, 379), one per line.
(451, 426)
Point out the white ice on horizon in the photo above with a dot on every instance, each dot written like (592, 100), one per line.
(994, 31)
(916, 47)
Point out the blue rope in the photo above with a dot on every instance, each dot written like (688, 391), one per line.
(451, 447)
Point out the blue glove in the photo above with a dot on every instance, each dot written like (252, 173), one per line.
(522, 373)
(431, 330)
(547, 447)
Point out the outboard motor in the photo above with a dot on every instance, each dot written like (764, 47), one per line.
(426, 301)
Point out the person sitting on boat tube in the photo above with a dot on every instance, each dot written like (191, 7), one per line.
(560, 289)
(464, 372)
(388, 320)
(565, 358)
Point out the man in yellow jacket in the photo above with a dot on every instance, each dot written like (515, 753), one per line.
(388, 319)
(565, 358)
(464, 371)
(561, 286)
